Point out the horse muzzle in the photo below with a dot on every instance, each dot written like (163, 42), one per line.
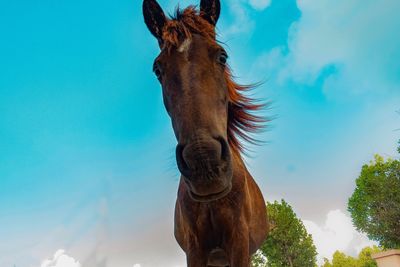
(206, 166)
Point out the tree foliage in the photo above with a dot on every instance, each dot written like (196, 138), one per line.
(288, 243)
(375, 203)
(339, 259)
(398, 148)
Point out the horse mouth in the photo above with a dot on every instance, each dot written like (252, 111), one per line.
(210, 197)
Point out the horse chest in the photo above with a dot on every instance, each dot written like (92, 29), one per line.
(214, 222)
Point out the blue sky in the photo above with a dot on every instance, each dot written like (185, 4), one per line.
(87, 162)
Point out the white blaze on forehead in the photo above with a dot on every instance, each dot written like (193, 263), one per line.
(185, 45)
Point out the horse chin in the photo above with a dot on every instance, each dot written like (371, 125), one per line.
(210, 197)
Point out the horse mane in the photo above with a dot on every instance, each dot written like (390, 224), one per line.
(242, 122)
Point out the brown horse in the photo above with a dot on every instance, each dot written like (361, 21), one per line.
(220, 214)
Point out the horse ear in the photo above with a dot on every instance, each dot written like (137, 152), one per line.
(154, 18)
(209, 10)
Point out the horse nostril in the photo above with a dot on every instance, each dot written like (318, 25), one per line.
(225, 154)
(182, 165)
(203, 157)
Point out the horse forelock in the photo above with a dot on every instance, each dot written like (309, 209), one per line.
(242, 120)
(182, 25)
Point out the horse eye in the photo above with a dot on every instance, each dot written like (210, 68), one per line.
(157, 70)
(222, 57)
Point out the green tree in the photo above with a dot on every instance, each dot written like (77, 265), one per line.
(398, 148)
(365, 256)
(288, 244)
(326, 263)
(375, 203)
(339, 259)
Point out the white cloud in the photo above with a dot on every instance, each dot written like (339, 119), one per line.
(60, 259)
(357, 38)
(137, 265)
(242, 23)
(260, 4)
(337, 233)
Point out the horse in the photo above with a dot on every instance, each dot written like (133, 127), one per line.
(220, 215)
